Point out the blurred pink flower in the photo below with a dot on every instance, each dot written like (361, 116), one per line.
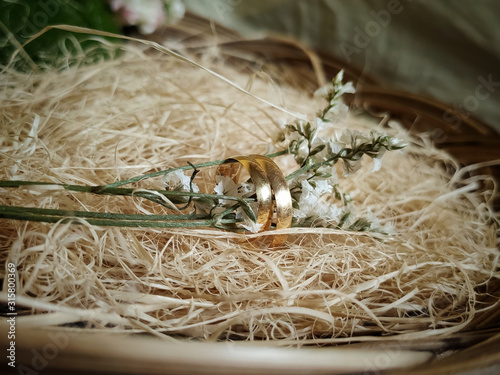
(147, 15)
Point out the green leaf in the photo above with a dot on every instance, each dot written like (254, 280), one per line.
(307, 130)
(338, 196)
(248, 210)
(344, 218)
(360, 225)
(323, 175)
(317, 149)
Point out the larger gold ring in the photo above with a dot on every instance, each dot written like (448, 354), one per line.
(282, 197)
(271, 190)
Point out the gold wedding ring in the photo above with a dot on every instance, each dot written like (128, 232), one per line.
(271, 189)
(282, 197)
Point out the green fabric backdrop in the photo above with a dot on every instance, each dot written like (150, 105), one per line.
(449, 50)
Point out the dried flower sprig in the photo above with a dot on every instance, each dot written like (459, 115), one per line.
(333, 96)
(316, 147)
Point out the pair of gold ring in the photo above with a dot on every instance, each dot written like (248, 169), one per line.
(271, 189)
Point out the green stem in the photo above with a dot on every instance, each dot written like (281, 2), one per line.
(345, 153)
(98, 215)
(292, 175)
(106, 219)
(133, 192)
(102, 219)
(183, 168)
(121, 191)
(164, 172)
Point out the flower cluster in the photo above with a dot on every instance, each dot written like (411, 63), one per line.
(317, 146)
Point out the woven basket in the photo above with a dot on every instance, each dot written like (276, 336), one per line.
(475, 349)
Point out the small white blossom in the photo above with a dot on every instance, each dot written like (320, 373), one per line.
(178, 181)
(354, 137)
(347, 88)
(377, 161)
(323, 90)
(331, 212)
(303, 151)
(318, 208)
(226, 186)
(335, 146)
(176, 10)
(312, 202)
(322, 187)
(377, 226)
(351, 167)
(247, 223)
(340, 88)
(396, 142)
(246, 189)
(251, 226)
(219, 188)
(321, 125)
(338, 112)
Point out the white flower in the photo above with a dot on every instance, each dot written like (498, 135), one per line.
(176, 10)
(322, 187)
(351, 167)
(347, 88)
(303, 151)
(321, 209)
(331, 212)
(312, 202)
(226, 186)
(338, 112)
(251, 226)
(397, 142)
(323, 90)
(325, 132)
(309, 194)
(320, 124)
(375, 224)
(247, 223)
(178, 181)
(354, 137)
(337, 85)
(335, 146)
(377, 161)
(245, 189)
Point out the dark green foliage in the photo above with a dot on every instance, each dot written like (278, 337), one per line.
(21, 19)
